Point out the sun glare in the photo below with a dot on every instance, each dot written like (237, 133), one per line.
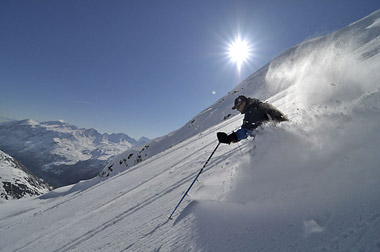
(239, 52)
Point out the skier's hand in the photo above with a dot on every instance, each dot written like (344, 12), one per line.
(223, 138)
(227, 139)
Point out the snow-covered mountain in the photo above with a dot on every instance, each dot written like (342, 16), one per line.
(274, 81)
(16, 181)
(60, 152)
(310, 184)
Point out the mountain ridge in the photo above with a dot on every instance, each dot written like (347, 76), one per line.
(59, 152)
(16, 181)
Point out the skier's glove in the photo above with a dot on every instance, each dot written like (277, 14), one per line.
(227, 139)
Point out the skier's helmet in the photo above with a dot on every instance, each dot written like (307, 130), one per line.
(239, 100)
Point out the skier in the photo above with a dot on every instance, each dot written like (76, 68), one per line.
(255, 114)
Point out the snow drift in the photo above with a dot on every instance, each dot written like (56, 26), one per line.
(311, 184)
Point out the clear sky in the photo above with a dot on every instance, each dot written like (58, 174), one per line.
(142, 67)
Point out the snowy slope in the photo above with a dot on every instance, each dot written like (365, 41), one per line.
(16, 181)
(60, 152)
(311, 184)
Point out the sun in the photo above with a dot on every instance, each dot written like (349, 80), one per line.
(239, 51)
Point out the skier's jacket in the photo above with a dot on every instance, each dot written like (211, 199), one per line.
(255, 114)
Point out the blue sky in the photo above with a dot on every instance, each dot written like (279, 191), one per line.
(141, 67)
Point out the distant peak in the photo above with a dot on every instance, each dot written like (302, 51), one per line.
(31, 122)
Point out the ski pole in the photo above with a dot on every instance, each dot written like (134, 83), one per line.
(188, 189)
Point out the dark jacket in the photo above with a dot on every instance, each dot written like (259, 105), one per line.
(255, 114)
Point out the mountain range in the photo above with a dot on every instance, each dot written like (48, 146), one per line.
(61, 153)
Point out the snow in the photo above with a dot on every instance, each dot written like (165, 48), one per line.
(17, 182)
(311, 184)
(374, 24)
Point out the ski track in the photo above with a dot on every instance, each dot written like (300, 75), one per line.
(181, 183)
